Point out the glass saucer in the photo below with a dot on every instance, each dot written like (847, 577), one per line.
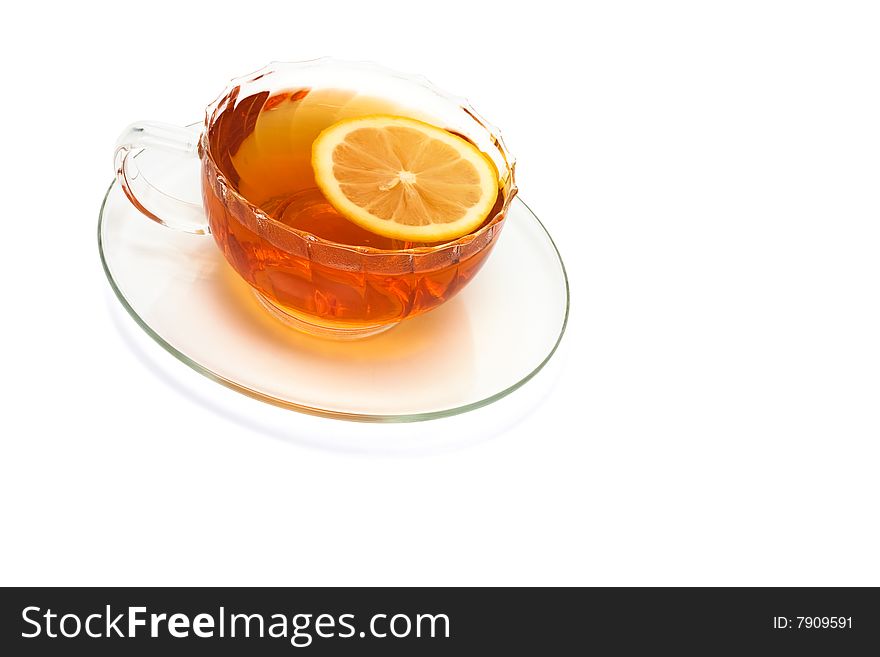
(473, 350)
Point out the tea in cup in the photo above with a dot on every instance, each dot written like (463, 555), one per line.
(348, 196)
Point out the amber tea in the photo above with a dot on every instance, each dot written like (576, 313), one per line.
(328, 270)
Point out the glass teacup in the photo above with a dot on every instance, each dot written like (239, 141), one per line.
(308, 265)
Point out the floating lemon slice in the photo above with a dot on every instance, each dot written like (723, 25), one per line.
(403, 178)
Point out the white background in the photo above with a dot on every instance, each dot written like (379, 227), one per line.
(711, 172)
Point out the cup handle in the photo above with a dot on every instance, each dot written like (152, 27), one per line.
(159, 206)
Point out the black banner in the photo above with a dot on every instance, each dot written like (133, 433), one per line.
(448, 621)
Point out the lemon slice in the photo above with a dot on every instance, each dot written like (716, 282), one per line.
(404, 179)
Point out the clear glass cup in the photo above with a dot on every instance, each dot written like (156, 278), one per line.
(319, 286)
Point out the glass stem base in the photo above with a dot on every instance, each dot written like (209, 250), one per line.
(311, 326)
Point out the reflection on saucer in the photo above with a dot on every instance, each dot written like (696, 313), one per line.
(218, 305)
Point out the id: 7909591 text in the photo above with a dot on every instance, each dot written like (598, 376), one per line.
(812, 623)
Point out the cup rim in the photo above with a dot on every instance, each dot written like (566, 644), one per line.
(463, 103)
